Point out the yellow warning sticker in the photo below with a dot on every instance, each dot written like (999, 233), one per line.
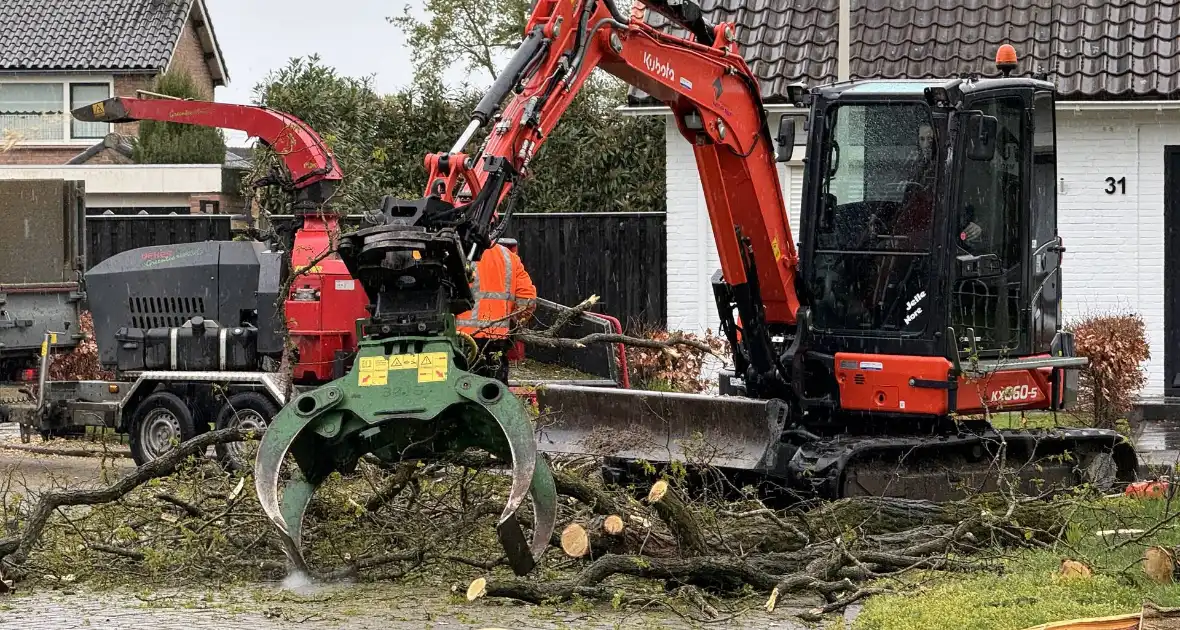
(403, 362)
(99, 109)
(373, 371)
(778, 253)
(432, 367)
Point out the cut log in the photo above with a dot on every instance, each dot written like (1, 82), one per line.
(477, 589)
(1159, 564)
(607, 535)
(1072, 569)
(575, 542)
(603, 534)
(671, 508)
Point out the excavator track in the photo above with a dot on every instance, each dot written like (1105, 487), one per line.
(940, 468)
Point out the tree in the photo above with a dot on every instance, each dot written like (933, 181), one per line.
(345, 111)
(177, 143)
(595, 159)
(475, 32)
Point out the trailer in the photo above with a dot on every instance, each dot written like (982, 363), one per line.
(194, 337)
(42, 259)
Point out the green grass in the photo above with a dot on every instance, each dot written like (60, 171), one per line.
(1026, 590)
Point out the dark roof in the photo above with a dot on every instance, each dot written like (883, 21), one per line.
(236, 158)
(1092, 49)
(118, 143)
(124, 35)
(239, 158)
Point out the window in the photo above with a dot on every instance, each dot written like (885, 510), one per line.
(81, 95)
(1044, 194)
(33, 112)
(872, 256)
(989, 300)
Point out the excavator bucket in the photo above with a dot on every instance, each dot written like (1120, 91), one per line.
(411, 403)
(658, 427)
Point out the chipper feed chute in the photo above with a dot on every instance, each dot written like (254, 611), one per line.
(658, 427)
(408, 396)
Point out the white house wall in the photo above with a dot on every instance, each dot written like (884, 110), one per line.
(1114, 258)
(130, 185)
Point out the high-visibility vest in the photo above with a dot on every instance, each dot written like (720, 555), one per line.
(504, 293)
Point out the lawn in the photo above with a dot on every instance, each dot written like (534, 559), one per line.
(1025, 589)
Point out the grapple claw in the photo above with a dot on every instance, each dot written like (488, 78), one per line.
(397, 403)
(285, 511)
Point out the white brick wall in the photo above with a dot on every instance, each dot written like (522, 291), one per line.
(692, 252)
(1114, 243)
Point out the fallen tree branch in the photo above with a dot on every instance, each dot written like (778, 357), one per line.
(14, 550)
(65, 452)
(669, 345)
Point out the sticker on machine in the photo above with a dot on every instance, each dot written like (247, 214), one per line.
(872, 365)
(373, 371)
(346, 285)
(432, 367)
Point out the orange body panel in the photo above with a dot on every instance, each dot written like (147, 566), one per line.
(878, 382)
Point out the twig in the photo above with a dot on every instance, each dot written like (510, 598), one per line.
(15, 549)
(189, 508)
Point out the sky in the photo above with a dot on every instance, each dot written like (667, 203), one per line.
(258, 36)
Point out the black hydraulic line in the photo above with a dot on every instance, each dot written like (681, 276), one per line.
(489, 105)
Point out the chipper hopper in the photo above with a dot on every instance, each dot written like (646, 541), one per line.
(409, 394)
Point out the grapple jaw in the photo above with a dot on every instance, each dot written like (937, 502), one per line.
(405, 398)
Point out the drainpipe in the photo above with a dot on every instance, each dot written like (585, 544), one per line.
(843, 40)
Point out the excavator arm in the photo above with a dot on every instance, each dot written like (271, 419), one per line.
(717, 105)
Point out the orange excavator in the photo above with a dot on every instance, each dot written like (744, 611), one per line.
(924, 294)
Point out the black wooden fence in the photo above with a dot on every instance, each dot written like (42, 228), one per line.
(108, 234)
(617, 256)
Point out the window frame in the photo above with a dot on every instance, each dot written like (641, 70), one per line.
(67, 83)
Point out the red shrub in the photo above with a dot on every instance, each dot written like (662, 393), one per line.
(1116, 346)
(81, 363)
(654, 368)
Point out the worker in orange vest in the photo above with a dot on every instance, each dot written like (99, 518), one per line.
(504, 297)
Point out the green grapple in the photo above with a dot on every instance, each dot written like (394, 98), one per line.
(407, 396)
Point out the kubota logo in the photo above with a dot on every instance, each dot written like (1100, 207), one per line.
(658, 67)
(1014, 392)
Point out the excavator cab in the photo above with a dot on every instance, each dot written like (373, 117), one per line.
(930, 207)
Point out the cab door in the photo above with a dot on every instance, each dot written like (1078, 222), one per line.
(1045, 244)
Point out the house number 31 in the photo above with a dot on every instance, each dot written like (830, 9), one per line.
(1113, 184)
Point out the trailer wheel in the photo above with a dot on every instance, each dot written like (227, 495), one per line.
(159, 419)
(249, 411)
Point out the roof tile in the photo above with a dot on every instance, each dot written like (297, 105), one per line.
(77, 35)
(1092, 49)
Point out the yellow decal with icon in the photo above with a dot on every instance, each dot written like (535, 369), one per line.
(432, 367)
(373, 371)
(778, 253)
(403, 362)
(99, 109)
